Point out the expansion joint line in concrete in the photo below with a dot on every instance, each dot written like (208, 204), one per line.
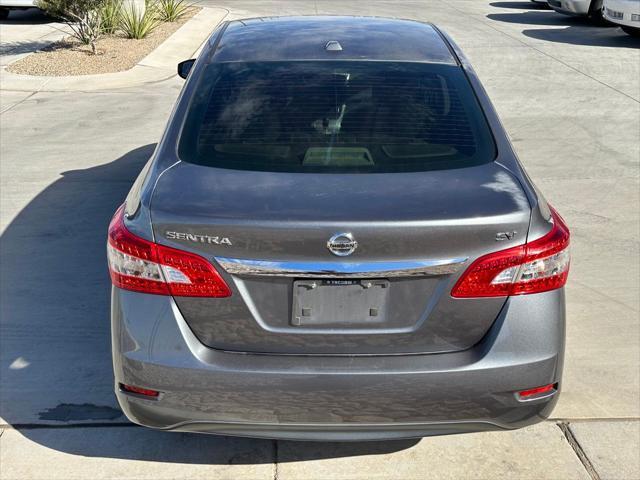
(573, 441)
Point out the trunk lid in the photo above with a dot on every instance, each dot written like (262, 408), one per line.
(274, 228)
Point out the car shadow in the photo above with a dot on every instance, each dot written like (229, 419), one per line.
(587, 36)
(567, 29)
(55, 335)
(18, 48)
(528, 5)
(142, 444)
(541, 17)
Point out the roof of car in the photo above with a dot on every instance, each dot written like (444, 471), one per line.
(331, 38)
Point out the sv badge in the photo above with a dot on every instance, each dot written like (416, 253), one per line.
(501, 236)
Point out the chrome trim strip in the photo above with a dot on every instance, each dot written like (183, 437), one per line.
(408, 268)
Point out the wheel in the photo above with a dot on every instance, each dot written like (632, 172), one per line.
(595, 12)
(4, 13)
(633, 31)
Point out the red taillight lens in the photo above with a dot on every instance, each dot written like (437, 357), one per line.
(535, 267)
(139, 391)
(538, 391)
(143, 266)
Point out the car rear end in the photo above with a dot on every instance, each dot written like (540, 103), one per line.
(625, 13)
(7, 5)
(336, 247)
(571, 7)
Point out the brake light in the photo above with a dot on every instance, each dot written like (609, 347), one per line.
(535, 267)
(143, 266)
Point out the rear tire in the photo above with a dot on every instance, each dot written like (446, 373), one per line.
(595, 12)
(633, 31)
(4, 13)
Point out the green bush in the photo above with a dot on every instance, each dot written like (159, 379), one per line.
(111, 14)
(84, 17)
(172, 10)
(136, 23)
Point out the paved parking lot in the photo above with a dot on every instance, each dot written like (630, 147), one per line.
(26, 31)
(569, 95)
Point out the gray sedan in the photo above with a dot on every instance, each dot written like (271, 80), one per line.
(334, 240)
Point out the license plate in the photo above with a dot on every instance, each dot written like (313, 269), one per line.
(339, 302)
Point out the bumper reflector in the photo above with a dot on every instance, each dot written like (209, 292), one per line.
(615, 14)
(537, 392)
(146, 392)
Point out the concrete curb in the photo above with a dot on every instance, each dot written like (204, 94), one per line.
(159, 65)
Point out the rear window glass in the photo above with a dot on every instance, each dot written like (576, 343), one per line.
(335, 117)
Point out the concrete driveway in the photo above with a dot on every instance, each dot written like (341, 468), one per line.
(25, 31)
(569, 95)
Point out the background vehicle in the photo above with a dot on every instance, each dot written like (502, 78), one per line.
(625, 13)
(335, 240)
(7, 5)
(590, 8)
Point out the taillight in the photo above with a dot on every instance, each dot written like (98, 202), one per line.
(143, 266)
(535, 267)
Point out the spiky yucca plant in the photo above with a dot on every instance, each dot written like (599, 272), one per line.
(111, 13)
(172, 10)
(136, 22)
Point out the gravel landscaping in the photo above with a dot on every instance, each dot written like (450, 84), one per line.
(114, 53)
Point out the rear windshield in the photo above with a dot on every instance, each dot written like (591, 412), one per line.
(335, 117)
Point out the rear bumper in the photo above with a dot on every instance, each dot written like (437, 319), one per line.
(571, 7)
(628, 9)
(333, 431)
(17, 3)
(339, 397)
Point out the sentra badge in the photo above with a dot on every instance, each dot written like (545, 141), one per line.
(194, 237)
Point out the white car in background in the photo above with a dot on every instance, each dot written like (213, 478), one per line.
(7, 5)
(625, 13)
(588, 8)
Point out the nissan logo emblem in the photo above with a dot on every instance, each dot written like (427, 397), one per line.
(342, 244)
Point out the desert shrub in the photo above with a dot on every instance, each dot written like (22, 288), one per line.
(136, 22)
(172, 10)
(84, 17)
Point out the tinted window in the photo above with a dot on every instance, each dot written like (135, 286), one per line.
(335, 117)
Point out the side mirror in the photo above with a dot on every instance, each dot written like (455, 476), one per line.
(185, 67)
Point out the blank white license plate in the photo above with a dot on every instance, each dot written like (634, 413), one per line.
(339, 302)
